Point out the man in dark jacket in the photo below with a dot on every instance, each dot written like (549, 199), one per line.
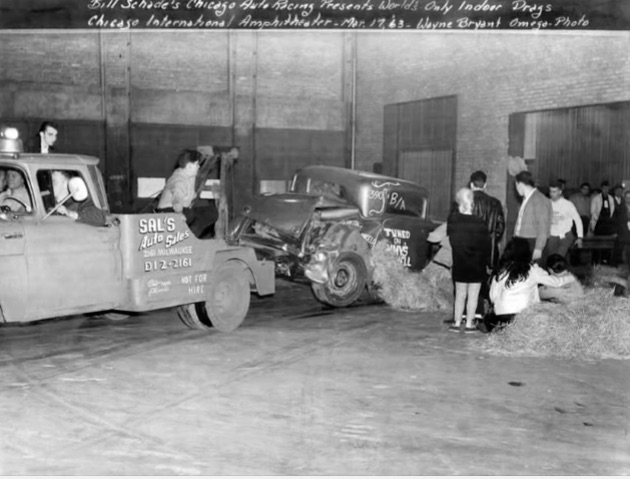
(490, 210)
(46, 138)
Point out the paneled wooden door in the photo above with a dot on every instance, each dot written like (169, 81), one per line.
(432, 169)
(419, 144)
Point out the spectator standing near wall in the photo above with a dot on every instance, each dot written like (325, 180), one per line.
(470, 243)
(46, 138)
(620, 218)
(602, 210)
(564, 215)
(534, 216)
(582, 202)
(489, 209)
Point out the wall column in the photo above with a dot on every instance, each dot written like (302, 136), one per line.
(115, 49)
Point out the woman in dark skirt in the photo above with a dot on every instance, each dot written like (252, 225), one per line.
(470, 242)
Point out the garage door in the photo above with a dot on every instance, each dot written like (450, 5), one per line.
(431, 169)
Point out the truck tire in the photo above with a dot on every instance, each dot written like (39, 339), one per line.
(348, 277)
(227, 303)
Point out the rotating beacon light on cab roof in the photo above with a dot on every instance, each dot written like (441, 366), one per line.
(10, 143)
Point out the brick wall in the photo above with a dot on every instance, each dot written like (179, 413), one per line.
(493, 75)
(263, 86)
(287, 91)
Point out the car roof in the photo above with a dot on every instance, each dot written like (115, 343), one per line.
(337, 174)
(59, 160)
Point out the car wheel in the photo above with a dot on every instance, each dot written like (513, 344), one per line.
(227, 303)
(347, 280)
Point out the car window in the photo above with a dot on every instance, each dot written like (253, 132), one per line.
(325, 188)
(53, 194)
(383, 199)
(312, 186)
(413, 206)
(16, 193)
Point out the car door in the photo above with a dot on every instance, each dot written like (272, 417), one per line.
(408, 237)
(73, 267)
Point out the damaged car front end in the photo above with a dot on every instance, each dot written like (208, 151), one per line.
(322, 230)
(288, 229)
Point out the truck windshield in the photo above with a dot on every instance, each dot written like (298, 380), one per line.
(97, 179)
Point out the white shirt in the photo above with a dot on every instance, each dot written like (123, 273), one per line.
(520, 295)
(517, 229)
(563, 215)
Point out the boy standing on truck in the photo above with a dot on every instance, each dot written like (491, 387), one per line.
(179, 191)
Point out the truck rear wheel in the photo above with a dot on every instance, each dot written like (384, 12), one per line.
(348, 278)
(227, 303)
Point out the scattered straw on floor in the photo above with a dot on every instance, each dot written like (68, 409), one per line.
(603, 276)
(594, 327)
(428, 290)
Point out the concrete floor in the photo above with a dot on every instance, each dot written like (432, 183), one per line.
(300, 390)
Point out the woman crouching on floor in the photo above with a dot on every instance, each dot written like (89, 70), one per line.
(514, 286)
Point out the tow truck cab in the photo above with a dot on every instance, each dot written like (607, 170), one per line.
(52, 265)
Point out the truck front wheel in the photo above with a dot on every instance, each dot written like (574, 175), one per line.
(347, 280)
(227, 303)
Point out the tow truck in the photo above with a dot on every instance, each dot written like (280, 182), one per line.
(52, 265)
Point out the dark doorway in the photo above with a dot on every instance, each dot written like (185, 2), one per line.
(587, 143)
(419, 145)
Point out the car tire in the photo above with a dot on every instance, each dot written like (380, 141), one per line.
(227, 304)
(348, 277)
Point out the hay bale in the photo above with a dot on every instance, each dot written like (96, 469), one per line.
(428, 290)
(594, 327)
(603, 276)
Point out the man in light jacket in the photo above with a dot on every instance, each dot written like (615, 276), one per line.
(179, 191)
(534, 215)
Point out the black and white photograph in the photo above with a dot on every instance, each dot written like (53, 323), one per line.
(314, 237)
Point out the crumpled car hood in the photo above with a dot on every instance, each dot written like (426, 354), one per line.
(288, 213)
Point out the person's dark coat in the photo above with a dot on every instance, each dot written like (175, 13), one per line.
(35, 146)
(490, 210)
(470, 243)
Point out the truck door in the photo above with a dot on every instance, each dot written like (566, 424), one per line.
(73, 267)
(12, 268)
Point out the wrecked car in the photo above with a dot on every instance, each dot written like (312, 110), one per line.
(322, 230)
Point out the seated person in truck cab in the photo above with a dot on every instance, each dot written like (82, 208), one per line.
(79, 206)
(16, 196)
(3, 180)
